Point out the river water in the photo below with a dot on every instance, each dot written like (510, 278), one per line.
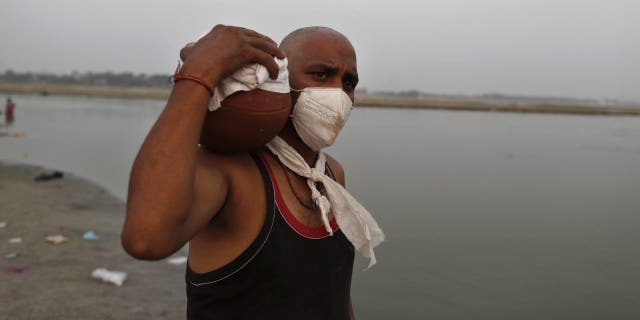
(487, 215)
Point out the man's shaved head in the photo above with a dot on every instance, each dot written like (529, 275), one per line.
(299, 36)
(319, 57)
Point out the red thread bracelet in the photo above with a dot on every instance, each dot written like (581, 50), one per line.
(181, 76)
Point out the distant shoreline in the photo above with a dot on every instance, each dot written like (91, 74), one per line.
(362, 100)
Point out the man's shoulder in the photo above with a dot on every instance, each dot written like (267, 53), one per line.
(224, 162)
(234, 173)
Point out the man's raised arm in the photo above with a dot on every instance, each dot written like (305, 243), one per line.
(161, 215)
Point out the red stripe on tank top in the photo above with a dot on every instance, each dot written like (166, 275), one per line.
(294, 223)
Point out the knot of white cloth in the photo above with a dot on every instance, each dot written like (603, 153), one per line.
(317, 175)
(354, 220)
(249, 77)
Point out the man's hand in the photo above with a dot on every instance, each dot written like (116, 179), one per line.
(225, 49)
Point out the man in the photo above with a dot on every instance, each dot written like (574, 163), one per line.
(8, 111)
(245, 261)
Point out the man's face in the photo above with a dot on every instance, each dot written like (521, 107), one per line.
(322, 60)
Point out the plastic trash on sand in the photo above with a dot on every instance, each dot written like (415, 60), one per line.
(177, 260)
(3, 224)
(57, 239)
(90, 235)
(16, 269)
(15, 240)
(10, 256)
(114, 277)
(49, 176)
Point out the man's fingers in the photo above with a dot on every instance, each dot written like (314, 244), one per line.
(266, 60)
(267, 47)
(252, 33)
(184, 52)
(235, 45)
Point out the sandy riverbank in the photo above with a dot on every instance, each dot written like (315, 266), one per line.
(47, 281)
(362, 100)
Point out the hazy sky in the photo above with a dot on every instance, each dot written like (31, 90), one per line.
(574, 48)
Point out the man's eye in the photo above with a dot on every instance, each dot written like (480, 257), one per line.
(319, 75)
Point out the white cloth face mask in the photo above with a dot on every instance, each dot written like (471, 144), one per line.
(320, 114)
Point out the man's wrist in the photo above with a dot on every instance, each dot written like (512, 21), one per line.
(187, 77)
(211, 77)
(191, 89)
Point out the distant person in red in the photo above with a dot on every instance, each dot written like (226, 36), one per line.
(8, 111)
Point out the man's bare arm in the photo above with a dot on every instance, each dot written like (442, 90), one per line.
(161, 186)
(166, 181)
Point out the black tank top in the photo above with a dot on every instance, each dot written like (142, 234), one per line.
(290, 271)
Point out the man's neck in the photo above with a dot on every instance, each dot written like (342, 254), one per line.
(290, 135)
